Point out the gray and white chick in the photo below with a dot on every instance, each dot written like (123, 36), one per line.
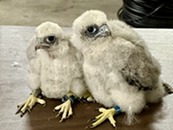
(119, 70)
(54, 69)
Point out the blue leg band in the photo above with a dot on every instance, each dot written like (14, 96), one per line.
(117, 109)
(71, 98)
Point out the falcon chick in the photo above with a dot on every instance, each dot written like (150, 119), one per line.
(54, 69)
(119, 70)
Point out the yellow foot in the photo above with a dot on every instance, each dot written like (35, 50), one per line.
(88, 97)
(65, 109)
(105, 114)
(28, 104)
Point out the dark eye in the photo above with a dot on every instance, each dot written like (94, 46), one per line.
(50, 39)
(92, 30)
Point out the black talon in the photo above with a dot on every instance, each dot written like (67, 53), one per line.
(19, 108)
(21, 115)
(18, 111)
(58, 115)
(91, 127)
(86, 127)
(82, 100)
(28, 109)
(44, 105)
(92, 120)
(89, 120)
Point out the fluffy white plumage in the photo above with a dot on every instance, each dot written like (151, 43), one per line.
(54, 68)
(118, 68)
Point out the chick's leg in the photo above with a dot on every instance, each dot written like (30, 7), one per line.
(106, 114)
(30, 102)
(65, 108)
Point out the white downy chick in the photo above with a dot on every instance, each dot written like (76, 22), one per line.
(119, 70)
(54, 69)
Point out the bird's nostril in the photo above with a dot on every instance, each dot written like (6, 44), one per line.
(37, 47)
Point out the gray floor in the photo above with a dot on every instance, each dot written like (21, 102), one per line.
(63, 12)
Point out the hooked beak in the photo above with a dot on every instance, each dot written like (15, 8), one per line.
(103, 31)
(41, 45)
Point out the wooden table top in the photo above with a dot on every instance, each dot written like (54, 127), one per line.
(13, 87)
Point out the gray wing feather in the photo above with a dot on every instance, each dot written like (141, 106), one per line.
(141, 70)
